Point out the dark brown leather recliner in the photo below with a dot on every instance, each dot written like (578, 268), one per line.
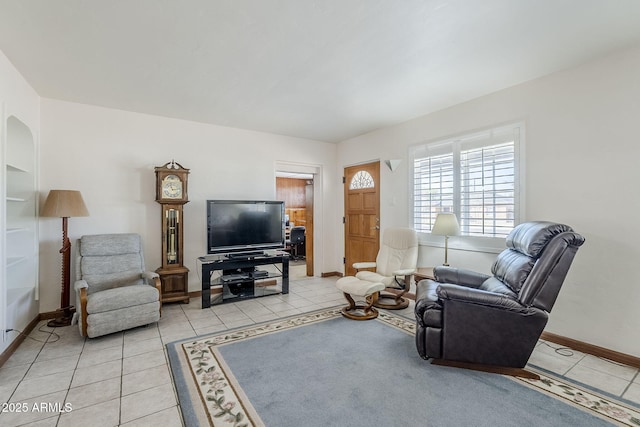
(474, 318)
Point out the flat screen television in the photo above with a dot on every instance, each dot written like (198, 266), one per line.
(244, 225)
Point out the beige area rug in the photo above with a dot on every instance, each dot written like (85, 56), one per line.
(209, 393)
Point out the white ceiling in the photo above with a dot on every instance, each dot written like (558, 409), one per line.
(320, 69)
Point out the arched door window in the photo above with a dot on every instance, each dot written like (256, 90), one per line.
(362, 179)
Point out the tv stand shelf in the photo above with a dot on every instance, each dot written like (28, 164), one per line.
(240, 278)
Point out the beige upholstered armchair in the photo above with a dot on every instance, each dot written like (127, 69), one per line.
(113, 290)
(386, 286)
(395, 264)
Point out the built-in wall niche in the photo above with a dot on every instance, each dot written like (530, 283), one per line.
(20, 226)
(20, 146)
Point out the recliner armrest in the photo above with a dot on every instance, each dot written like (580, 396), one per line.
(404, 272)
(477, 296)
(150, 275)
(459, 276)
(152, 278)
(362, 265)
(80, 284)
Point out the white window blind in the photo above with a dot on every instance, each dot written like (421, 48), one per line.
(475, 176)
(433, 189)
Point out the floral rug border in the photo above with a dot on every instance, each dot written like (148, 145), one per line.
(606, 407)
(226, 405)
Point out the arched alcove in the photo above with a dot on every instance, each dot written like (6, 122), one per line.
(20, 227)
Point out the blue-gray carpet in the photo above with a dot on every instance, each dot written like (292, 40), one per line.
(339, 372)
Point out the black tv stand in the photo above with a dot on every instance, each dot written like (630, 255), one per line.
(240, 279)
(245, 255)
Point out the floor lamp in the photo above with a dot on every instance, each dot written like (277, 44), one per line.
(64, 204)
(446, 225)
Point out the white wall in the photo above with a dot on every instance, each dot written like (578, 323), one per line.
(582, 150)
(110, 155)
(19, 98)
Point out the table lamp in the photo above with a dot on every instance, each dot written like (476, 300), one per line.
(446, 225)
(64, 204)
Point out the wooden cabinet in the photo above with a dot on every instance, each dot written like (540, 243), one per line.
(175, 284)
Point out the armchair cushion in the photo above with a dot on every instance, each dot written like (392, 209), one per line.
(110, 244)
(108, 322)
(531, 238)
(526, 244)
(496, 286)
(404, 272)
(388, 281)
(512, 268)
(398, 250)
(371, 276)
(353, 286)
(119, 298)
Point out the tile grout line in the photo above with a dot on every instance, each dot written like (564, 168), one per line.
(66, 396)
(626, 389)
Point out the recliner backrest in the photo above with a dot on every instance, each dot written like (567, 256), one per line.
(108, 261)
(536, 261)
(398, 250)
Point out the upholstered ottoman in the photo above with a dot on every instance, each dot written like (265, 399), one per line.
(361, 288)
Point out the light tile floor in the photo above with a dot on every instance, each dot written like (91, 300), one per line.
(124, 378)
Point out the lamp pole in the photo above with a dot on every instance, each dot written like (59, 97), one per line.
(65, 290)
(64, 204)
(446, 250)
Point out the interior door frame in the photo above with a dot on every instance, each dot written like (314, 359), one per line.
(316, 172)
(310, 240)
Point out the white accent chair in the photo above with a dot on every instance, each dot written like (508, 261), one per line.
(387, 285)
(113, 290)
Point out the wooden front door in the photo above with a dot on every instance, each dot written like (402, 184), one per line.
(362, 214)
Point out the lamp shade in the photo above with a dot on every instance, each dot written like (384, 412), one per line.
(64, 204)
(446, 225)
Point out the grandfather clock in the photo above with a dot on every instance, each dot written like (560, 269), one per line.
(171, 193)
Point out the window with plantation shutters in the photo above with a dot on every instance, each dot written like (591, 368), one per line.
(475, 176)
(433, 189)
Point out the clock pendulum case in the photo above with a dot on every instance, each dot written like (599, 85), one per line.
(171, 193)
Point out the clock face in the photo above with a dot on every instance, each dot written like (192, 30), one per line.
(171, 187)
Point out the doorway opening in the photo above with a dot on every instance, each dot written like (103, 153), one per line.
(296, 189)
